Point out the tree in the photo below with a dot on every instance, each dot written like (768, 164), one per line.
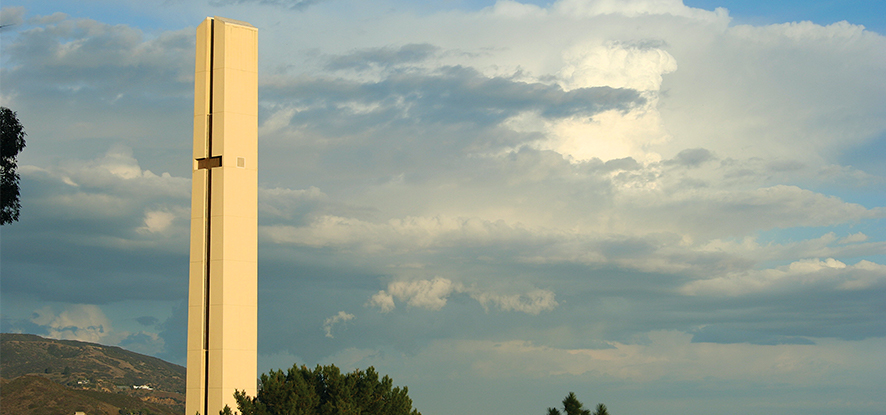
(325, 391)
(571, 406)
(601, 410)
(12, 135)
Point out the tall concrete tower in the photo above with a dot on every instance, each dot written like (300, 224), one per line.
(223, 293)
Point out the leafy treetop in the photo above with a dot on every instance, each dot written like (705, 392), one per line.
(325, 391)
(12, 141)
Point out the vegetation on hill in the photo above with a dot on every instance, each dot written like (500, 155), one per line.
(37, 395)
(88, 373)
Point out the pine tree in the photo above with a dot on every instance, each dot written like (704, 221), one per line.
(571, 406)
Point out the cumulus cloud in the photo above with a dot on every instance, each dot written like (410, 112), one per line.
(77, 82)
(105, 222)
(663, 229)
(633, 65)
(290, 4)
(113, 186)
(642, 172)
(383, 300)
(738, 213)
(398, 234)
(330, 322)
(12, 16)
(827, 274)
(83, 322)
(383, 57)
(855, 237)
(104, 59)
(289, 205)
(157, 221)
(144, 342)
(661, 355)
(533, 302)
(788, 123)
(827, 245)
(434, 293)
(429, 294)
(634, 8)
(448, 94)
(118, 167)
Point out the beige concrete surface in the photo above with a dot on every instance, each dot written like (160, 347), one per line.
(223, 292)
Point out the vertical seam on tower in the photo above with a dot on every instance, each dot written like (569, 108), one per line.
(208, 221)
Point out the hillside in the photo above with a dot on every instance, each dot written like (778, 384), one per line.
(86, 374)
(37, 395)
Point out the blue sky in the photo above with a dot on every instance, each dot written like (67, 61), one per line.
(868, 13)
(665, 206)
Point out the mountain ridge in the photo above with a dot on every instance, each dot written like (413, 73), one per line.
(103, 379)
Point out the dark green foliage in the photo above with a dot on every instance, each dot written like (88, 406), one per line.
(572, 406)
(601, 410)
(325, 391)
(12, 141)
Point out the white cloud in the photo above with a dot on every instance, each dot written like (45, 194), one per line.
(657, 228)
(634, 8)
(765, 91)
(608, 135)
(854, 238)
(718, 213)
(829, 274)
(118, 171)
(434, 293)
(341, 317)
(462, 145)
(533, 302)
(119, 162)
(611, 134)
(827, 245)
(12, 15)
(110, 208)
(82, 322)
(514, 10)
(429, 294)
(667, 356)
(157, 221)
(383, 300)
(637, 66)
(405, 234)
(287, 204)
